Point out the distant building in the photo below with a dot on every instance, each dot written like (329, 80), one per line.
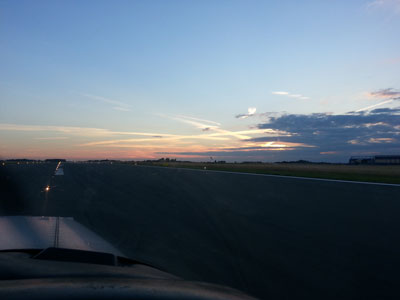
(361, 160)
(375, 160)
(55, 160)
(387, 159)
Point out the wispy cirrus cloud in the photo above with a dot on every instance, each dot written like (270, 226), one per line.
(134, 141)
(202, 124)
(387, 5)
(388, 95)
(117, 105)
(52, 138)
(288, 94)
(75, 131)
(198, 119)
(216, 130)
(121, 108)
(207, 126)
(110, 138)
(374, 105)
(212, 136)
(391, 61)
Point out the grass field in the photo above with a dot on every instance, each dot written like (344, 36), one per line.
(368, 173)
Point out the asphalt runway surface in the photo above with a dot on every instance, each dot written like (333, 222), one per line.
(272, 237)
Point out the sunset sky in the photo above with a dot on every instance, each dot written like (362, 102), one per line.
(231, 80)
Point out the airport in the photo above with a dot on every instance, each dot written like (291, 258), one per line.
(242, 231)
(209, 150)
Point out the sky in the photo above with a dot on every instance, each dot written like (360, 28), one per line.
(199, 80)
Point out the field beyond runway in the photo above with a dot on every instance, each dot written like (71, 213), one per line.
(272, 237)
(362, 173)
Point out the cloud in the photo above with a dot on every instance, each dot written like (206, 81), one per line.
(238, 154)
(391, 61)
(198, 119)
(207, 125)
(269, 132)
(75, 131)
(247, 151)
(389, 94)
(387, 111)
(121, 108)
(280, 136)
(215, 135)
(250, 112)
(55, 138)
(172, 138)
(347, 133)
(298, 96)
(374, 105)
(280, 93)
(86, 137)
(196, 122)
(317, 137)
(118, 105)
(329, 153)
(386, 93)
(381, 140)
(388, 5)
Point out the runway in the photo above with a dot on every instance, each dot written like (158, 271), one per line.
(273, 237)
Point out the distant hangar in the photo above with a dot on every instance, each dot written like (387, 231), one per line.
(375, 160)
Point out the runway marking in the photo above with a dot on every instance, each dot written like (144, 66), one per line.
(57, 233)
(280, 176)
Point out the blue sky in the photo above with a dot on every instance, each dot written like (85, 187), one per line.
(148, 79)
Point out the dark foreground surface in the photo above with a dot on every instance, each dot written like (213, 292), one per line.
(274, 238)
